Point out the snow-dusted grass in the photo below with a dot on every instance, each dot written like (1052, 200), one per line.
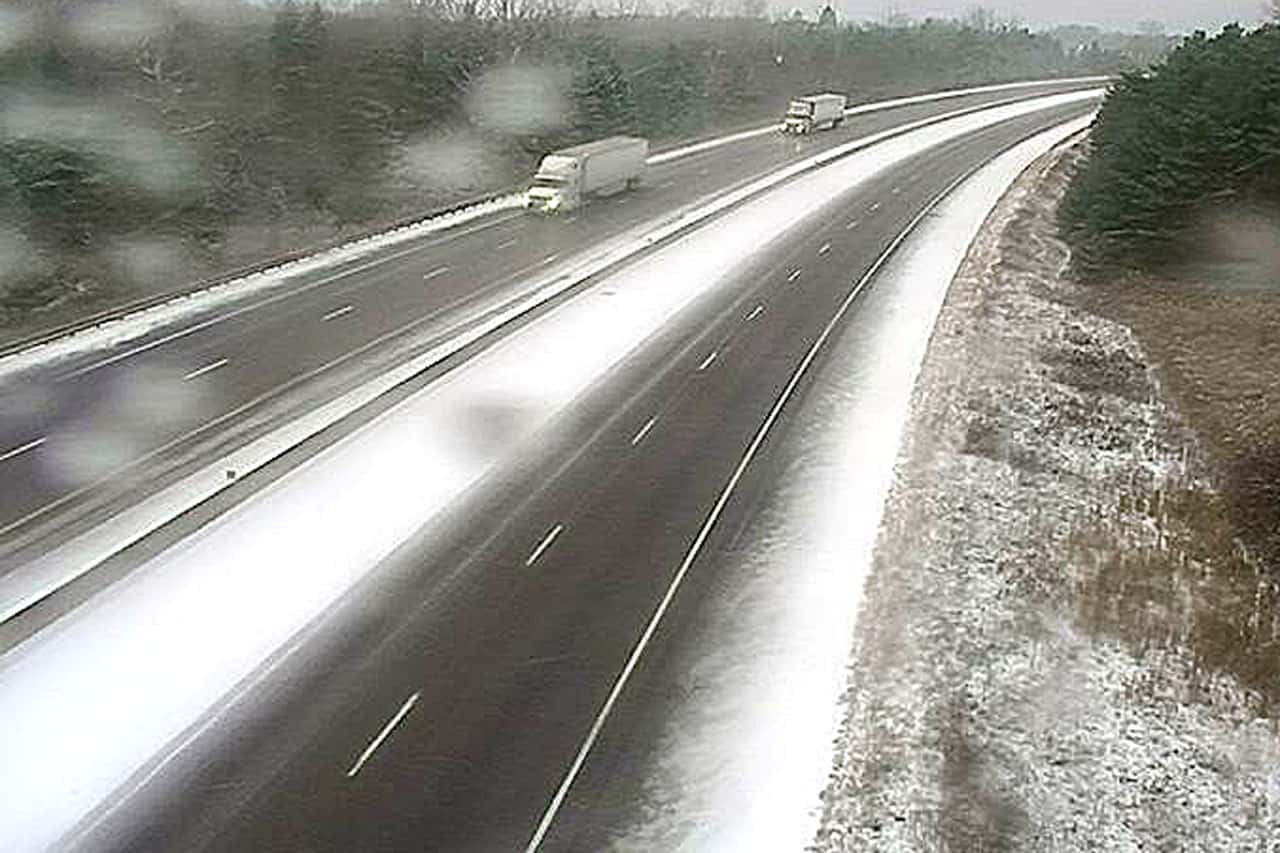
(91, 699)
(1029, 669)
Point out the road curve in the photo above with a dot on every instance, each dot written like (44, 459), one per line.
(89, 433)
(438, 705)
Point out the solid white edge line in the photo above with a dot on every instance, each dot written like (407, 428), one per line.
(303, 428)
(716, 511)
(873, 107)
(644, 430)
(514, 201)
(208, 368)
(18, 451)
(544, 544)
(382, 735)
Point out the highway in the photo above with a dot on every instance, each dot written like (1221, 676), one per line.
(441, 703)
(83, 435)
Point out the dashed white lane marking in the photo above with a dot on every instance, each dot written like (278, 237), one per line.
(852, 225)
(897, 190)
(873, 208)
(549, 258)
(826, 247)
(18, 451)
(506, 244)
(644, 430)
(620, 684)
(338, 312)
(544, 544)
(795, 274)
(382, 735)
(759, 309)
(434, 273)
(706, 362)
(208, 368)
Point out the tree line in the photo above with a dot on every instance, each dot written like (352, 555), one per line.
(1198, 130)
(185, 125)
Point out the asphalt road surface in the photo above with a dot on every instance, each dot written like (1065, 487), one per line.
(439, 706)
(89, 434)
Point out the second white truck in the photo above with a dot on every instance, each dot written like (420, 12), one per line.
(568, 177)
(814, 112)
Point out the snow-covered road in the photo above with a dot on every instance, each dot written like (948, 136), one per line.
(95, 697)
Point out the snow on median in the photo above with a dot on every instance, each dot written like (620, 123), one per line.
(92, 699)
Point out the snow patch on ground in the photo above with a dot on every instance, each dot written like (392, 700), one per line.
(746, 754)
(275, 561)
(1021, 675)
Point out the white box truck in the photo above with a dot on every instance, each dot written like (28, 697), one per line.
(568, 177)
(814, 112)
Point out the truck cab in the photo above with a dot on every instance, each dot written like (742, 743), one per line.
(799, 118)
(555, 187)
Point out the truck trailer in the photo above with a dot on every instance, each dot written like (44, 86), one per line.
(567, 178)
(814, 112)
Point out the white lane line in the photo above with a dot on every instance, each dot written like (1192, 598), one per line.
(706, 362)
(644, 430)
(759, 309)
(795, 274)
(290, 292)
(382, 735)
(506, 244)
(338, 312)
(434, 273)
(544, 544)
(18, 451)
(873, 208)
(853, 223)
(208, 368)
(826, 247)
(549, 258)
(593, 734)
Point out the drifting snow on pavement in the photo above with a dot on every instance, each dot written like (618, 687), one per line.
(1023, 674)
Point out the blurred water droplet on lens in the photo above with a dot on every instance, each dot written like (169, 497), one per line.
(455, 161)
(520, 100)
(116, 26)
(148, 261)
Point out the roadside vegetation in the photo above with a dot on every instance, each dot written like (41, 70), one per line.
(145, 144)
(1174, 216)
(1174, 144)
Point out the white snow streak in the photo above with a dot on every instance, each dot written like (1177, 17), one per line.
(159, 649)
(745, 759)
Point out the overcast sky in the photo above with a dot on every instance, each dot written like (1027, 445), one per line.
(1177, 15)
